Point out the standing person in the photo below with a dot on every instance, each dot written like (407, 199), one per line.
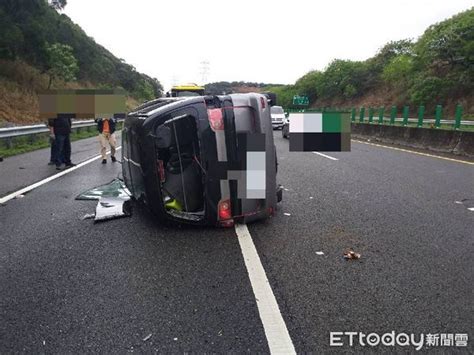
(52, 142)
(106, 128)
(61, 128)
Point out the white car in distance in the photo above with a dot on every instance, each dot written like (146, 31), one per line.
(278, 115)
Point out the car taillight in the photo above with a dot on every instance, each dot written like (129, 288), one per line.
(224, 210)
(216, 119)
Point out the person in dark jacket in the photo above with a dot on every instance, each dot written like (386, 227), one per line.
(106, 128)
(61, 128)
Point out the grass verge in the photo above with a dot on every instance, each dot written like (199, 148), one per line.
(27, 144)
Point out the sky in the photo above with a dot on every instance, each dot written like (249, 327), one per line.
(250, 40)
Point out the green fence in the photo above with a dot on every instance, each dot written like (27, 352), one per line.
(400, 116)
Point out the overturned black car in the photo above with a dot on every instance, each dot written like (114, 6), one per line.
(207, 160)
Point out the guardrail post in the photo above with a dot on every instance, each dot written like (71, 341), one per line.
(393, 114)
(362, 114)
(353, 114)
(371, 114)
(457, 117)
(381, 113)
(406, 109)
(33, 138)
(438, 115)
(421, 114)
(9, 142)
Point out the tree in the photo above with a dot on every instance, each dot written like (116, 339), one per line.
(11, 37)
(61, 62)
(57, 4)
(427, 90)
(449, 43)
(446, 50)
(308, 83)
(399, 71)
(145, 90)
(342, 78)
(393, 49)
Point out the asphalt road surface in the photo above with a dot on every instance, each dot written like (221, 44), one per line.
(131, 285)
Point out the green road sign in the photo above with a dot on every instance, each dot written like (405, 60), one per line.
(300, 100)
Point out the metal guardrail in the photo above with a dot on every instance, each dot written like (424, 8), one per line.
(17, 131)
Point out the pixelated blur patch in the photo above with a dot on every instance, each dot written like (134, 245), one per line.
(255, 175)
(249, 172)
(83, 103)
(320, 131)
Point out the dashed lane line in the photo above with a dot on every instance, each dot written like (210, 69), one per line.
(277, 335)
(48, 179)
(326, 156)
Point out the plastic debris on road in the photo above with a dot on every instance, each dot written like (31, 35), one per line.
(319, 253)
(113, 201)
(115, 188)
(287, 214)
(147, 337)
(351, 255)
(466, 202)
(19, 196)
(110, 208)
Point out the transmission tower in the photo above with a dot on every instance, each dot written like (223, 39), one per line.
(174, 80)
(205, 69)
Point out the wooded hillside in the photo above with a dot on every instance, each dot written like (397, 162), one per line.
(436, 68)
(40, 47)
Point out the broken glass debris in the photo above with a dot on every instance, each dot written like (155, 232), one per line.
(113, 201)
(110, 208)
(115, 188)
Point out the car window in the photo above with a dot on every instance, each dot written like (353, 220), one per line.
(276, 109)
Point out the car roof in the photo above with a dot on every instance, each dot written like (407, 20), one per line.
(151, 107)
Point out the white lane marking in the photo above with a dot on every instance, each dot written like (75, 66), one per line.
(324, 155)
(278, 338)
(414, 152)
(48, 179)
